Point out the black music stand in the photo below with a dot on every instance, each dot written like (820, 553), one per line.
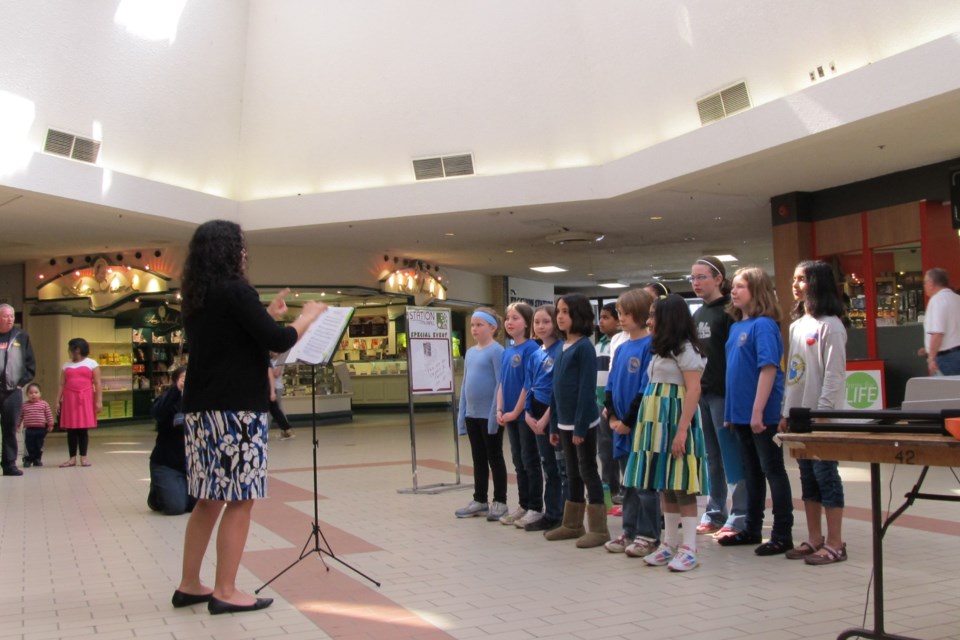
(312, 545)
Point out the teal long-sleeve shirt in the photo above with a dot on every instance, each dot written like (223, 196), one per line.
(574, 399)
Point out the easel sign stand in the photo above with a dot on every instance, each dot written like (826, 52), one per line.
(430, 372)
(317, 346)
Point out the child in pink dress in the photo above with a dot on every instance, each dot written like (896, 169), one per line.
(81, 399)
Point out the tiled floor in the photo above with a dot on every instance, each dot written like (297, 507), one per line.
(80, 555)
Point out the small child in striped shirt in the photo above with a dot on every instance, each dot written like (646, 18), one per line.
(37, 418)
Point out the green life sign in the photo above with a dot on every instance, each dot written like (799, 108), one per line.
(863, 391)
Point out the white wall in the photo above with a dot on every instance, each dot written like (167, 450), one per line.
(166, 106)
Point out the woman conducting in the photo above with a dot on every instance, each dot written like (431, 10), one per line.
(225, 406)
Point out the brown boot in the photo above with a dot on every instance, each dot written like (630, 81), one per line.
(572, 526)
(597, 525)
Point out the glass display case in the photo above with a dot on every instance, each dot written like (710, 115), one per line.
(297, 380)
(899, 299)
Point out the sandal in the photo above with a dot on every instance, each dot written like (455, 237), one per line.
(64, 465)
(773, 547)
(805, 549)
(828, 555)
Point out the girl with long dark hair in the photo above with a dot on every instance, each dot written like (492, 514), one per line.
(816, 378)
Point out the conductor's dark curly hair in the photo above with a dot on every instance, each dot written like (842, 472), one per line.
(216, 256)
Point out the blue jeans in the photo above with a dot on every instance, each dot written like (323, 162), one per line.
(609, 468)
(820, 482)
(763, 463)
(641, 513)
(949, 363)
(724, 467)
(168, 491)
(526, 464)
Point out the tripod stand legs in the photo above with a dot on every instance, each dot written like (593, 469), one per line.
(303, 554)
(315, 536)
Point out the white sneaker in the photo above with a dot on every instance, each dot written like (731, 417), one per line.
(618, 544)
(511, 518)
(684, 560)
(531, 517)
(641, 547)
(473, 509)
(661, 557)
(497, 511)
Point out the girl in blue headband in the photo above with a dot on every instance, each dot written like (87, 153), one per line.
(477, 416)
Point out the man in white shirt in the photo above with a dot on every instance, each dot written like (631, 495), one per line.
(941, 324)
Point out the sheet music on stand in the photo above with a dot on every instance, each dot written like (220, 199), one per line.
(321, 339)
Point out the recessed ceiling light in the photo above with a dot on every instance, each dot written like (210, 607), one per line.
(449, 234)
(656, 217)
(549, 268)
(613, 284)
(726, 257)
(509, 251)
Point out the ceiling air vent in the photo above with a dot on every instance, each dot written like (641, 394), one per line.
(444, 167)
(70, 146)
(723, 103)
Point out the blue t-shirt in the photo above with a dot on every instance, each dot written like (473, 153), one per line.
(628, 375)
(539, 382)
(513, 371)
(753, 343)
(627, 380)
(478, 392)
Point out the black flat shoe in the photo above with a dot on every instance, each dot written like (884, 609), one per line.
(181, 599)
(739, 538)
(216, 607)
(774, 547)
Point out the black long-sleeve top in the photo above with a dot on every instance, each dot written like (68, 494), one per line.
(170, 448)
(230, 339)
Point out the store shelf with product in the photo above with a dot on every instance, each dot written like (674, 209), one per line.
(154, 355)
(116, 374)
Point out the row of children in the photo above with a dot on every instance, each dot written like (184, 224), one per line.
(686, 399)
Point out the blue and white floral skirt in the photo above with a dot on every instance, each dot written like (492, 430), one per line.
(227, 455)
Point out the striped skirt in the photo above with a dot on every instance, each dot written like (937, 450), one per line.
(651, 465)
(226, 455)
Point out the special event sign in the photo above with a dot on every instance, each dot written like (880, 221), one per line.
(429, 351)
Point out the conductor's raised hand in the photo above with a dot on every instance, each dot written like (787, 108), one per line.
(278, 306)
(312, 310)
